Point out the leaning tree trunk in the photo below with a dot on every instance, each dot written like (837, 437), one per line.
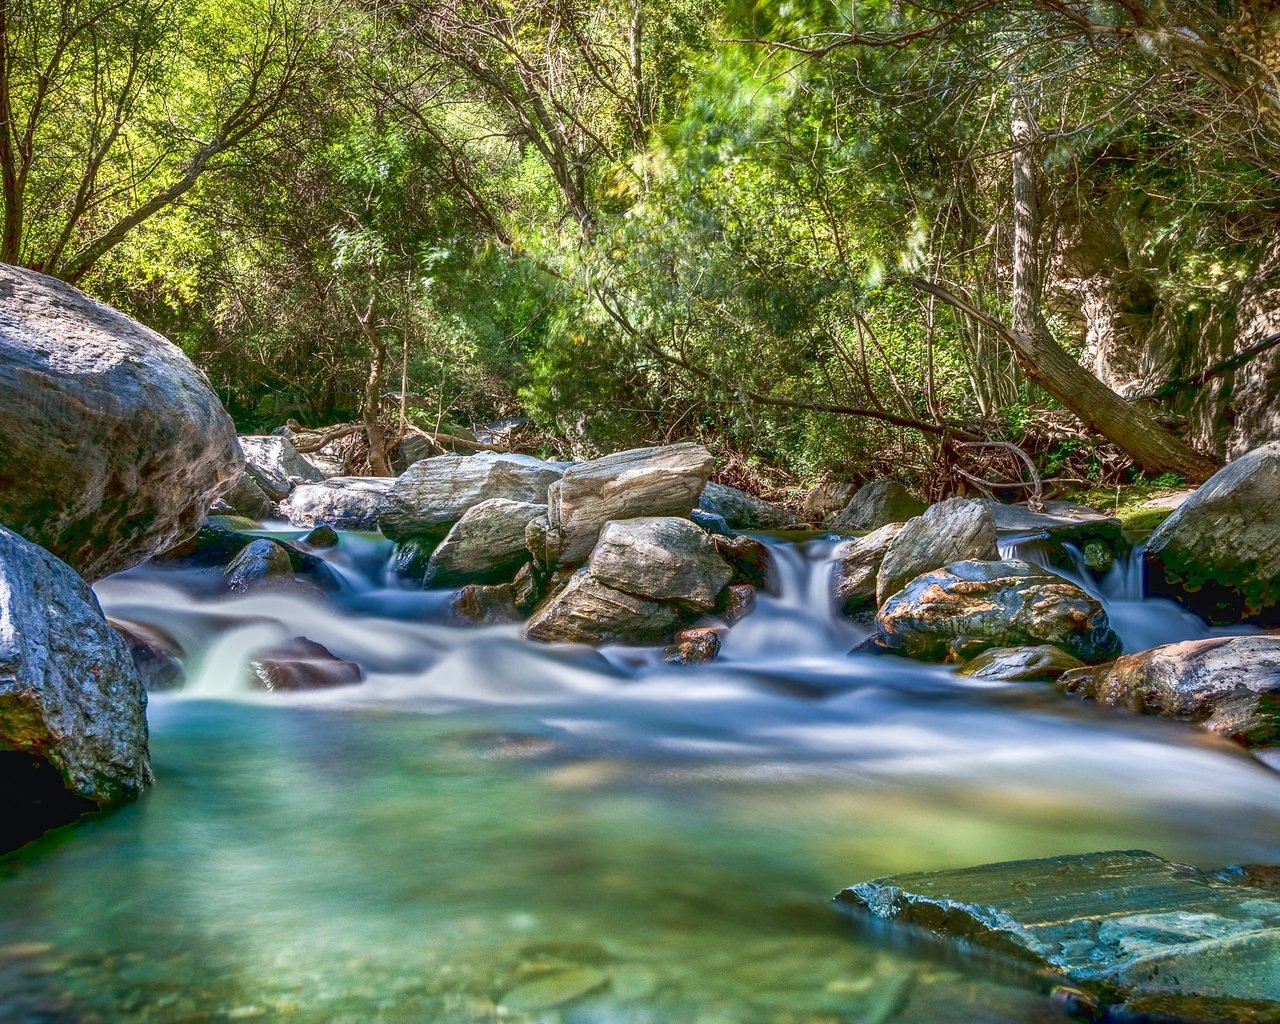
(371, 407)
(1046, 363)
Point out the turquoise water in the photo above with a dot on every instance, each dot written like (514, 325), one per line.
(490, 831)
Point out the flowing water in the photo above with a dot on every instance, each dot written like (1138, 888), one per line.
(488, 829)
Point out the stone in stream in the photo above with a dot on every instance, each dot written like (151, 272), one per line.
(258, 562)
(736, 603)
(73, 725)
(343, 502)
(748, 558)
(1230, 685)
(527, 588)
(694, 646)
(302, 664)
(953, 530)
(876, 504)
(322, 537)
(1041, 663)
(486, 605)
(856, 567)
(743, 511)
(485, 546)
(588, 611)
(1138, 933)
(276, 465)
(216, 543)
(114, 445)
(155, 654)
(1060, 522)
(644, 482)
(968, 607)
(662, 558)
(1218, 553)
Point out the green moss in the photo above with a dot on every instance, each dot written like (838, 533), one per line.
(1131, 504)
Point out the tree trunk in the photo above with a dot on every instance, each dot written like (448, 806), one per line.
(1046, 363)
(371, 407)
(11, 229)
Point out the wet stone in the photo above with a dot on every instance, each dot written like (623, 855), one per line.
(302, 664)
(693, 646)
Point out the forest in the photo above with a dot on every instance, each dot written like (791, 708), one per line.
(828, 240)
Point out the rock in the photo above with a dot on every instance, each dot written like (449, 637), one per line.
(970, 606)
(662, 558)
(114, 445)
(827, 498)
(1021, 664)
(329, 460)
(322, 537)
(748, 558)
(1137, 933)
(1061, 521)
(878, 504)
(275, 464)
(344, 502)
(1217, 554)
(743, 511)
(645, 482)
(302, 664)
(1231, 685)
(73, 724)
(156, 656)
(486, 605)
(527, 588)
(694, 646)
(551, 989)
(485, 546)
(856, 567)
(244, 498)
(736, 603)
(951, 531)
(410, 559)
(713, 524)
(432, 494)
(258, 561)
(590, 612)
(1098, 557)
(216, 543)
(413, 448)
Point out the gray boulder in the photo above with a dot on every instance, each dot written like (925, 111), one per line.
(856, 567)
(1218, 553)
(275, 464)
(258, 562)
(485, 546)
(244, 498)
(827, 498)
(662, 559)
(114, 446)
(1021, 664)
(951, 531)
(329, 460)
(665, 481)
(970, 606)
(590, 612)
(877, 504)
(432, 494)
(343, 502)
(1230, 685)
(73, 724)
(743, 511)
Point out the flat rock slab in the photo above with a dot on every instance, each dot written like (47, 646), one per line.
(1132, 929)
(1063, 518)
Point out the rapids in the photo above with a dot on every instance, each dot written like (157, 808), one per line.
(491, 829)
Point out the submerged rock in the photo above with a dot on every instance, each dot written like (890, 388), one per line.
(343, 502)
(644, 482)
(970, 606)
(1230, 685)
(302, 664)
(1042, 663)
(1137, 933)
(73, 725)
(114, 445)
(590, 612)
(743, 511)
(856, 568)
(258, 562)
(876, 504)
(955, 530)
(433, 494)
(662, 559)
(485, 546)
(1218, 554)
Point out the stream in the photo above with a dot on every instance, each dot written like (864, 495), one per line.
(489, 829)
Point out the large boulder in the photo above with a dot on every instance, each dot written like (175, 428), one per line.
(877, 504)
(485, 546)
(114, 446)
(968, 607)
(665, 481)
(743, 511)
(1231, 685)
(952, 531)
(343, 502)
(856, 567)
(1218, 553)
(663, 559)
(276, 465)
(432, 494)
(590, 612)
(73, 724)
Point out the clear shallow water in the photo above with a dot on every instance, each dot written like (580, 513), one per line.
(486, 828)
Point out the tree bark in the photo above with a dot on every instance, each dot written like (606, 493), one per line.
(1049, 365)
(371, 407)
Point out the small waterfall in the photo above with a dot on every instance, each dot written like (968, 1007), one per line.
(1027, 547)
